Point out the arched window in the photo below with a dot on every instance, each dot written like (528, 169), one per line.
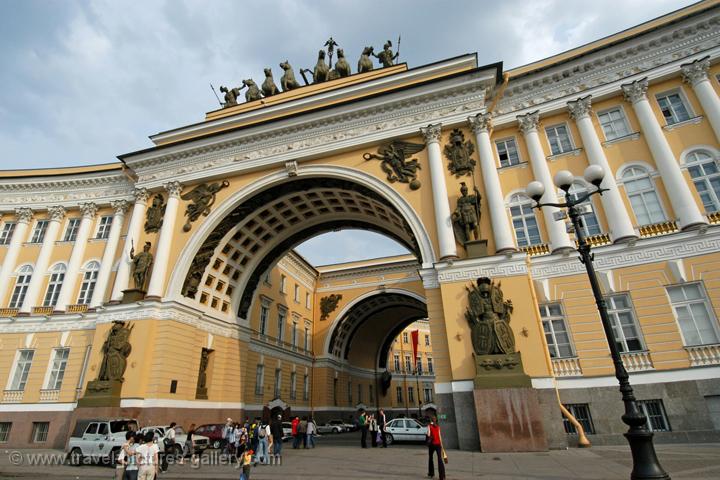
(24, 274)
(643, 197)
(88, 286)
(591, 226)
(524, 221)
(57, 276)
(704, 171)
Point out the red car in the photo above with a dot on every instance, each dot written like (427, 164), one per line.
(214, 432)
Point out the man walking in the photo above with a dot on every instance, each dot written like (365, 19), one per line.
(276, 431)
(295, 427)
(362, 423)
(302, 431)
(382, 425)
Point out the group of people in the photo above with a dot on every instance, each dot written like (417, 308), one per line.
(303, 432)
(375, 426)
(258, 438)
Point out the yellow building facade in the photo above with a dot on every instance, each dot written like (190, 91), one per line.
(206, 338)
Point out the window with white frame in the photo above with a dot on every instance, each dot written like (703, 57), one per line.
(405, 337)
(40, 432)
(427, 340)
(524, 221)
(307, 300)
(427, 391)
(57, 276)
(624, 323)
(7, 232)
(654, 411)
(430, 365)
(282, 315)
(264, 313)
(22, 282)
(296, 296)
(590, 223)
(71, 230)
(556, 332)
(673, 107)
(39, 232)
(507, 152)
(259, 379)
(103, 231)
(396, 357)
(293, 385)
(614, 123)
(399, 394)
(22, 369)
(643, 196)
(418, 365)
(5, 431)
(294, 334)
(694, 315)
(559, 139)
(703, 169)
(57, 368)
(411, 395)
(408, 364)
(88, 284)
(283, 281)
(306, 345)
(306, 387)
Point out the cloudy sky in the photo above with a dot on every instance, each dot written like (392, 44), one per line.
(82, 82)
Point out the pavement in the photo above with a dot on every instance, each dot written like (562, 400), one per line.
(340, 457)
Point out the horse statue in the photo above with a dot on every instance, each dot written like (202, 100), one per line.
(268, 87)
(365, 64)
(287, 81)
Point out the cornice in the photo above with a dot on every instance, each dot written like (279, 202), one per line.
(354, 273)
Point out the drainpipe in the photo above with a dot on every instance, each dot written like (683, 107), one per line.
(500, 93)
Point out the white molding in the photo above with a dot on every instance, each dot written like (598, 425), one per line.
(643, 378)
(37, 407)
(456, 386)
(171, 403)
(470, 269)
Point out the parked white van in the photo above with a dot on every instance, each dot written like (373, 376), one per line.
(98, 440)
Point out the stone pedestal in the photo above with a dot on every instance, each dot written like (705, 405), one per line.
(476, 248)
(500, 371)
(132, 295)
(101, 393)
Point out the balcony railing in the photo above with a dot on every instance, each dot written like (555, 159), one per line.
(9, 312)
(566, 367)
(714, 218)
(534, 250)
(597, 240)
(13, 396)
(637, 361)
(702, 355)
(42, 310)
(49, 395)
(79, 308)
(662, 228)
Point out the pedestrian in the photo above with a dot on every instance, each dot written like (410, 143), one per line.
(311, 431)
(296, 437)
(276, 431)
(129, 453)
(382, 426)
(302, 431)
(227, 431)
(168, 446)
(189, 450)
(263, 443)
(246, 461)
(147, 455)
(239, 441)
(435, 446)
(120, 461)
(373, 427)
(362, 423)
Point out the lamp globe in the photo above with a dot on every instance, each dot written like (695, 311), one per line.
(594, 174)
(564, 179)
(535, 190)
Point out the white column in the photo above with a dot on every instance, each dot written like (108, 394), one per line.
(23, 217)
(443, 220)
(619, 223)
(56, 215)
(76, 257)
(122, 277)
(559, 239)
(491, 180)
(108, 258)
(677, 188)
(162, 253)
(696, 74)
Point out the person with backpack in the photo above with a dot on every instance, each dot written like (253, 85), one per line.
(254, 438)
(263, 442)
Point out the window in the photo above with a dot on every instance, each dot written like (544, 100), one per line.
(259, 379)
(427, 340)
(590, 224)
(297, 294)
(40, 432)
(72, 230)
(655, 413)
(360, 393)
(559, 139)
(430, 365)
(524, 221)
(282, 314)
(397, 362)
(427, 392)
(706, 176)
(507, 152)
(398, 392)
(39, 233)
(5, 431)
(335, 391)
(581, 412)
(307, 339)
(7, 233)
(88, 286)
(418, 365)
(411, 395)
(614, 123)
(22, 368)
(293, 385)
(22, 282)
(693, 314)
(673, 108)
(306, 388)
(294, 334)
(57, 276)
(643, 197)
(405, 337)
(623, 323)
(266, 278)
(103, 231)
(283, 280)
(556, 333)
(371, 394)
(278, 382)
(349, 393)
(264, 312)
(408, 366)
(307, 300)
(57, 368)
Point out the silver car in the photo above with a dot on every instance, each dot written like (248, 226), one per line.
(405, 429)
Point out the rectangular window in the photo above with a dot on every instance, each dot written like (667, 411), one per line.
(22, 368)
(411, 395)
(103, 231)
(427, 340)
(360, 393)
(278, 382)
(88, 287)
(559, 139)
(259, 379)
(57, 369)
(72, 230)
(264, 312)
(7, 233)
(54, 285)
(283, 280)
(430, 365)
(614, 123)
(307, 300)
(306, 388)
(581, 412)
(418, 365)
(297, 294)
(405, 337)
(293, 385)
(427, 391)
(694, 315)
(624, 323)
(408, 365)
(673, 108)
(349, 393)
(398, 392)
(40, 432)
(281, 324)
(307, 339)
(556, 333)
(654, 411)
(5, 431)
(294, 334)
(507, 152)
(335, 391)
(397, 362)
(39, 233)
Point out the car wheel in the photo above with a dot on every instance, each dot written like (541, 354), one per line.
(336, 430)
(216, 444)
(75, 457)
(178, 451)
(389, 438)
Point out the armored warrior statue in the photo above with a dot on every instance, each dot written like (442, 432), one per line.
(489, 317)
(466, 217)
(230, 96)
(386, 57)
(141, 264)
(115, 352)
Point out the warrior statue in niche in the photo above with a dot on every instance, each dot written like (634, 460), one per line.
(115, 352)
(466, 217)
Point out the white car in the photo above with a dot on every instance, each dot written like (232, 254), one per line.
(99, 440)
(201, 442)
(405, 429)
(334, 426)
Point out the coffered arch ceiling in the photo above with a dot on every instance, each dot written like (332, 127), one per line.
(248, 241)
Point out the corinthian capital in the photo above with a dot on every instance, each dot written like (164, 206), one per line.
(88, 210)
(23, 215)
(56, 213)
(529, 122)
(635, 91)
(695, 72)
(431, 133)
(173, 188)
(481, 122)
(141, 195)
(580, 108)
(119, 206)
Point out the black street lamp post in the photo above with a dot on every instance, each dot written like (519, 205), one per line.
(645, 462)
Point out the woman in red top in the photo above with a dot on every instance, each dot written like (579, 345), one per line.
(434, 441)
